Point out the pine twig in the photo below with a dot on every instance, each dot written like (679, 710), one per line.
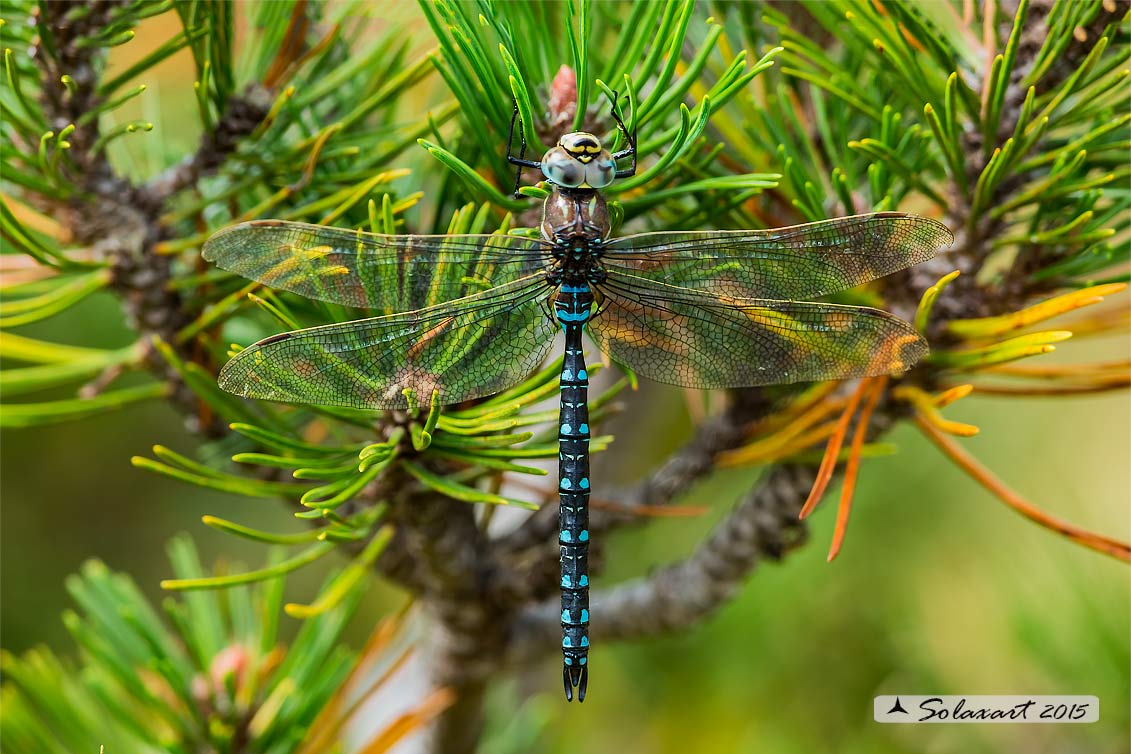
(689, 464)
(764, 525)
(243, 115)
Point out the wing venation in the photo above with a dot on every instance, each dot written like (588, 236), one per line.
(798, 262)
(690, 338)
(468, 348)
(384, 273)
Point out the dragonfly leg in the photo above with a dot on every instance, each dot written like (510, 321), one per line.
(520, 162)
(628, 151)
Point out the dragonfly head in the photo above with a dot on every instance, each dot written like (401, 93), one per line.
(579, 161)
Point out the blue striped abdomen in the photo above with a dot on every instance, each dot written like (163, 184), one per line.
(572, 309)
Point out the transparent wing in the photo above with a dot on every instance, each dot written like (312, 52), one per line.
(691, 338)
(467, 348)
(802, 261)
(388, 274)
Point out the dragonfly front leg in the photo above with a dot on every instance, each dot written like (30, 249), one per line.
(572, 309)
(630, 150)
(520, 162)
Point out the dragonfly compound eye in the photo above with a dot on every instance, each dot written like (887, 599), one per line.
(600, 172)
(560, 168)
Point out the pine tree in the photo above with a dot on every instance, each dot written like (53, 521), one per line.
(1007, 121)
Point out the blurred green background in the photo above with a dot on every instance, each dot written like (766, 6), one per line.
(939, 589)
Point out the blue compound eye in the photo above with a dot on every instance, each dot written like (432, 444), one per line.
(562, 169)
(601, 171)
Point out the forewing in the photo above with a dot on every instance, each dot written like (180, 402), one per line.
(387, 274)
(467, 348)
(802, 261)
(693, 339)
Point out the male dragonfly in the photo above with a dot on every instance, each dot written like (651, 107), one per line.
(471, 315)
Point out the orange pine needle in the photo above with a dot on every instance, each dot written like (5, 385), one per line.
(925, 403)
(785, 435)
(377, 644)
(876, 387)
(17, 269)
(784, 451)
(36, 220)
(988, 327)
(799, 406)
(1061, 379)
(1061, 371)
(986, 478)
(337, 713)
(432, 705)
(1097, 386)
(956, 393)
(832, 450)
(802, 442)
(312, 159)
(291, 48)
(1100, 322)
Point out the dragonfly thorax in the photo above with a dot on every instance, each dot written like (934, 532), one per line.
(575, 218)
(579, 162)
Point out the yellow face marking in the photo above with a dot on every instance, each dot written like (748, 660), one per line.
(580, 145)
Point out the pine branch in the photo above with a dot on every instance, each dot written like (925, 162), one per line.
(243, 115)
(764, 525)
(1032, 38)
(1014, 148)
(530, 549)
(123, 222)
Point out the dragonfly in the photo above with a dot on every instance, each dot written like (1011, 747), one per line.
(464, 316)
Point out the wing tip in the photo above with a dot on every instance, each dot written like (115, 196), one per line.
(230, 381)
(936, 233)
(942, 235)
(906, 349)
(214, 247)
